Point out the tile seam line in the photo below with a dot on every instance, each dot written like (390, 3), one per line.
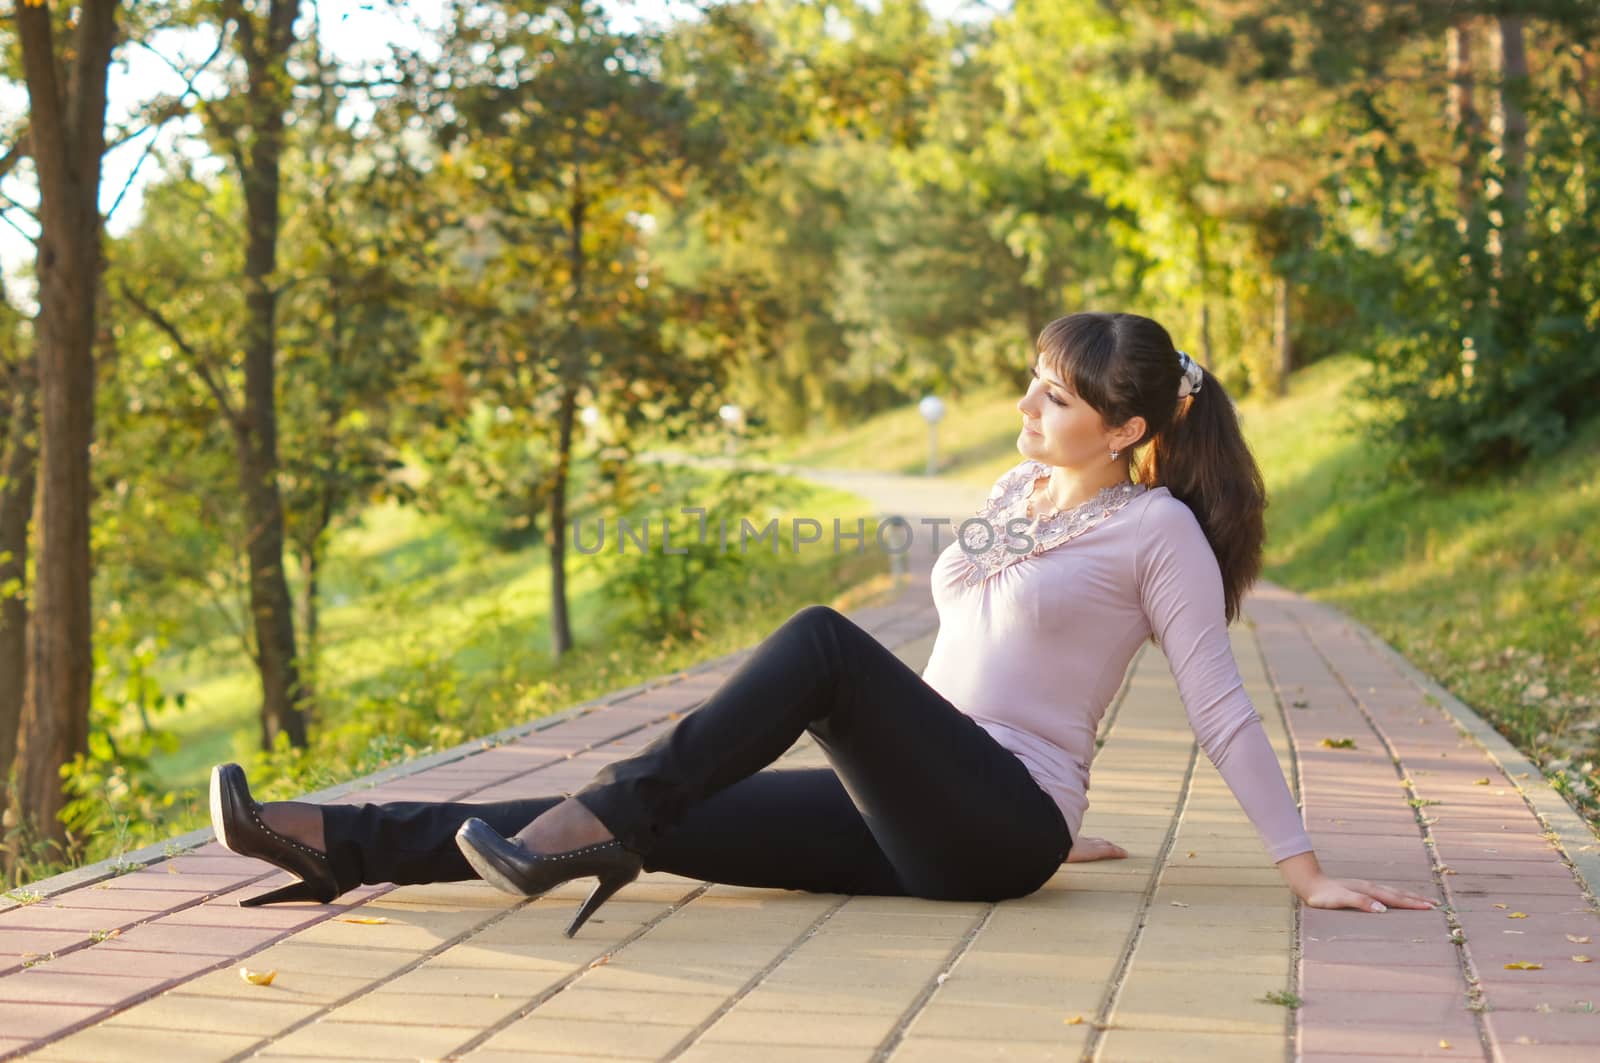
(546, 994)
(477, 1040)
(111, 1010)
(155, 853)
(1573, 836)
(1108, 1003)
(688, 1040)
(896, 1035)
(1468, 969)
(1292, 1046)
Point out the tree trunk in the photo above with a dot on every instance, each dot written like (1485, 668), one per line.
(1203, 268)
(574, 359)
(1511, 134)
(1464, 123)
(17, 479)
(1280, 330)
(270, 603)
(67, 108)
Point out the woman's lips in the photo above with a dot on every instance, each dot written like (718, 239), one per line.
(1030, 431)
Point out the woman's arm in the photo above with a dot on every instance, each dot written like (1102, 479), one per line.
(1181, 591)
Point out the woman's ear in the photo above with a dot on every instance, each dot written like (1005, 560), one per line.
(1127, 434)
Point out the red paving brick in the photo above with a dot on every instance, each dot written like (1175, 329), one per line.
(1362, 989)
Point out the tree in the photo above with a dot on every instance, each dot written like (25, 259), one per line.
(67, 138)
(559, 140)
(247, 126)
(19, 452)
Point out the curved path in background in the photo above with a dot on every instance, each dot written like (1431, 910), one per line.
(1190, 949)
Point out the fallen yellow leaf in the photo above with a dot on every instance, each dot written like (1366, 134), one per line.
(366, 920)
(1444, 1044)
(1076, 1020)
(1523, 965)
(1517, 915)
(1338, 743)
(1191, 854)
(1502, 906)
(1480, 782)
(257, 977)
(1578, 939)
(1580, 959)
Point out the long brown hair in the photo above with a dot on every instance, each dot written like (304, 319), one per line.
(1126, 366)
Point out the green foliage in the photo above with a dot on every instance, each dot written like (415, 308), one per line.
(662, 590)
(1482, 362)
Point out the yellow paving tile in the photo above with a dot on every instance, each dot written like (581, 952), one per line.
(1164, 1046)
(121, 1044)
(226, 1015)
(945, 1050)
(625, 1006)
(579, 1037)
(443, 1008)
(1003, 1022)
(288, 986)
(341, 1040)
(749, 1026)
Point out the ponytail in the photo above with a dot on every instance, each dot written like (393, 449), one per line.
(1202, 458)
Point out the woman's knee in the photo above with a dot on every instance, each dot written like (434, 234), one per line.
(816, 616)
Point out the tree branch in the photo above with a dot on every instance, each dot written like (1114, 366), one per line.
(218, 392)
(17, 152)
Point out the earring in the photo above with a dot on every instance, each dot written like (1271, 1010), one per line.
(1115, 454)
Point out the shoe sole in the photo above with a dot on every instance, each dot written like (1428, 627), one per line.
(219, 821)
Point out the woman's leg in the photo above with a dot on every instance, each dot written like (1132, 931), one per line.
(956, 814)
(787, 829)
(949, 811)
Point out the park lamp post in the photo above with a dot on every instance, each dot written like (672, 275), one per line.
(733, 417)
(590, 416)
(932, 410)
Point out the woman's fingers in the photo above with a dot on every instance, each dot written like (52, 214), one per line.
(1086, 849)
(1399, 898)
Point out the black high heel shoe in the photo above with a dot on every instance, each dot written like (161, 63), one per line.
(236, 818)
(509, 866)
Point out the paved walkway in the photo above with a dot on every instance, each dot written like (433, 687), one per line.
(1190, 949)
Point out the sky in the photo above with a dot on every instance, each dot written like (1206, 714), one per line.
(355, 33)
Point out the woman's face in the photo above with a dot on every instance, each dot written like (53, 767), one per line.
(1059, 428)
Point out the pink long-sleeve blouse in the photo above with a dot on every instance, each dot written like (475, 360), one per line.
(1038, 620)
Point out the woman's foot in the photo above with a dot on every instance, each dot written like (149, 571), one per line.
(1085, 849)
(241, 826)
(562, 828)
(510, 866)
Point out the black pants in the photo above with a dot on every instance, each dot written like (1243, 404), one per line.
(919, 801)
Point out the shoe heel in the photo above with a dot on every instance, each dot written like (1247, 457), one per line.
(599, 895)
(294, 891)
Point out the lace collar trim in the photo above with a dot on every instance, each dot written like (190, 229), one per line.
(990, 541)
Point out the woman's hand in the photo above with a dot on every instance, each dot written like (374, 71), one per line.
(1307, 881)
(1085, 849)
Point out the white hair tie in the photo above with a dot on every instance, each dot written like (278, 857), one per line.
(1193, 375)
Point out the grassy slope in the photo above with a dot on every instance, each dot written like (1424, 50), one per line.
(1488, 587)
(412, 611)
